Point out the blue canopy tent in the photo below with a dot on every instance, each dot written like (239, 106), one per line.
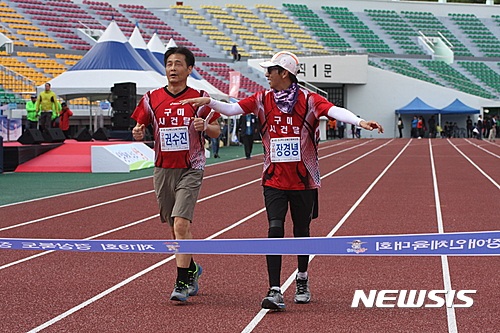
(417, 106)
(457, 107)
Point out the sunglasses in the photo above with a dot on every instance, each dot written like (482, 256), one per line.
(270, 69)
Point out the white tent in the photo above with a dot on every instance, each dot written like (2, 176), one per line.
(111, 60)
(140, 46)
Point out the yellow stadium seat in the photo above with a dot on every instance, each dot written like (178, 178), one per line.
(233, 26)
(235, 6)
(286, 47)
(306, 41)
(274, 36)
(239, 10)
(213, 11)
(242, 32)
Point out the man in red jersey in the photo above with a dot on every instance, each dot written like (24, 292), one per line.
(290, 117)
(179, 155)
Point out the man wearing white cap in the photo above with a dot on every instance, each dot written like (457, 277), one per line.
(289, 117)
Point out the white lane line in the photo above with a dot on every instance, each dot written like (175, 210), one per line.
(130, 279)
(75, 210)
(151, 217)
(151, 191)
(142, 178)
(119, 285)
(476, 166)
(480, 147)
(450, 312)
(260, 315)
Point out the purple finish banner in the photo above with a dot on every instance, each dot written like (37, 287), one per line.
(468, 243)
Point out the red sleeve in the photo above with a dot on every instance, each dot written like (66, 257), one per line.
(251, 104)
(70, 113)
(142, 113)
(320, 105)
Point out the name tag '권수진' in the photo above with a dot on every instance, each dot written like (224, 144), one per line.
(174, 138)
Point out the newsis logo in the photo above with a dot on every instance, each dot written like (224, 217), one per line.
(413, 298)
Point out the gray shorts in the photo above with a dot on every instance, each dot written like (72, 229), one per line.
(177, 192)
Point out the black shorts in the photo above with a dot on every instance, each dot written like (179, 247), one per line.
(303, 204)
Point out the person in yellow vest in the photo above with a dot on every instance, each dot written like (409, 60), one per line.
(31, 113)
(46, 104)
(56, 116)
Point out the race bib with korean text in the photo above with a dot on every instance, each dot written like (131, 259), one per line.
(285, 150)
(174, 138)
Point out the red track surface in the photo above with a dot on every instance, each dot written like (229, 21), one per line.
(89, 292)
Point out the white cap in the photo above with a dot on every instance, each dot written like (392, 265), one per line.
(287, 60)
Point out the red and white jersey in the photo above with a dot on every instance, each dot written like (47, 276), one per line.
(177, 143)
(290, 140)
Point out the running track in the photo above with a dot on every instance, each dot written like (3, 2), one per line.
(368, 187)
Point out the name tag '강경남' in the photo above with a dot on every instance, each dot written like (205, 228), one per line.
(174, 138)
(285, 150)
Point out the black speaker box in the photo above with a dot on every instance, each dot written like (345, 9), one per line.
(101, 134)
(122, 121)
(31, 136)
(51, 135)
(83, 135)
(124, 89)
(127, 104)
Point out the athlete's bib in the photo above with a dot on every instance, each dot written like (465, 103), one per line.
(285, 149)
(174, 138)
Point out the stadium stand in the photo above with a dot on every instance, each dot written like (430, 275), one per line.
(364, 36)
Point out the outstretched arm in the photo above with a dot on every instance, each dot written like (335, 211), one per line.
(221, 107)
(347, 116)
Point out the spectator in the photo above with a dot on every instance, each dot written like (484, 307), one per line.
(332, 127)
(475, 131)
(215, 142)
(31, 113)
(420, 127)
(46, 104)
(414, 124)
(400, 127)
(235, 53)
(487, 126)
(340, 129)
(493, 130)
(468, 125)
(456, 130)
(448, 130)
(289, 122)
(247, 127)
(480, 127)
(56, 120)
(64, 119)
(432, 127)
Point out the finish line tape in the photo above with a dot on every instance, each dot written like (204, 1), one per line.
(467, 243)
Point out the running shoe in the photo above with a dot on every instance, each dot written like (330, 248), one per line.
(302, 293)
(273, 301)
(193, 280)
(180, 292)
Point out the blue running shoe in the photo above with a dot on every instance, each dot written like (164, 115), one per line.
(180, 292)
(193, 280)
